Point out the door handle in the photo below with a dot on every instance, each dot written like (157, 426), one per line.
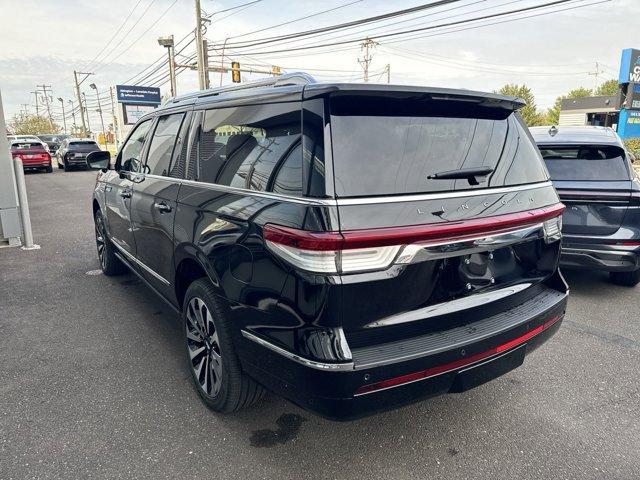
(162, 207)
(126, 194)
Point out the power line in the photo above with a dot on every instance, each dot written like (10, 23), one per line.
(144, 12)
(341, 26)
(142, 35)
(115, 34)
(422, 29)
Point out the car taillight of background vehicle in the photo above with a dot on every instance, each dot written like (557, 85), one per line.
(377, 249)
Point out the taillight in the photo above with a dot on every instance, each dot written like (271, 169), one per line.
(376, 249)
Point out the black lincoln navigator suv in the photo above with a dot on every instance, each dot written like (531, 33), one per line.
(351, 247)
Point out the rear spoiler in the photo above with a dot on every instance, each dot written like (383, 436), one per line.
(400, 92)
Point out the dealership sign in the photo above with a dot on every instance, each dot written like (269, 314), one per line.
(629, 66)
(134, 94)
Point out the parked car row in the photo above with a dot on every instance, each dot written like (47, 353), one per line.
(36, 152)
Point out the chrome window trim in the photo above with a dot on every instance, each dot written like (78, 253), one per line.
(144, 266)
(441, 195)
(297, 358)
(354, 201)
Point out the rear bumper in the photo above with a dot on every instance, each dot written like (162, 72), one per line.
(389, 375)
(611, 259)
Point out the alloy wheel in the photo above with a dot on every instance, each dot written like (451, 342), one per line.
(100, 241)
(203, 347)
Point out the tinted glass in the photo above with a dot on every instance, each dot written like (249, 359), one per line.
(179, 165)
(288, 178)
(130, 155)
(162, 144)
(243, 147)
(313, 148)
(587, 163)
(83, 143)
(393, 146)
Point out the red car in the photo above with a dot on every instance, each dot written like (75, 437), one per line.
(33, 154)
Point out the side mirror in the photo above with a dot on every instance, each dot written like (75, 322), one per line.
(99, 160)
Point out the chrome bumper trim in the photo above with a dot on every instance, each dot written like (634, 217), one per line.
(348, 366)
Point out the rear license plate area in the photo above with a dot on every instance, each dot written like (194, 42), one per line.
(495, 367)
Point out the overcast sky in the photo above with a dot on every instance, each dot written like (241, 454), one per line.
(44, 41)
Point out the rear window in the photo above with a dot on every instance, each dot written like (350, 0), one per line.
(85, 143)
(585, 162)
(392, 146)
(23, 145)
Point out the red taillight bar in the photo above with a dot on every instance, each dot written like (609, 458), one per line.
(380, 237)
(455, 365)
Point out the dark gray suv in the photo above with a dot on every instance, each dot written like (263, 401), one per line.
(592, 173)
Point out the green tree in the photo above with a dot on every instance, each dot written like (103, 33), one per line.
(553, 114)
(26, 124)
(610, 87)
(530, 113)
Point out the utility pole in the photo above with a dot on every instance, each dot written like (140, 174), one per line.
(37, 106)
(74, 127)
(205, 49)
(46, 90)
(86, 111)
(25, 108)
(388, 68)
(202, 72)
(78, 83)
(114, 118)
(64, 118)
(366, 45)
(595, 75)
(104, 132)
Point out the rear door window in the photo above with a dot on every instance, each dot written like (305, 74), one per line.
(585, 162)
(392, 146)
(244, 147)
(163, 143)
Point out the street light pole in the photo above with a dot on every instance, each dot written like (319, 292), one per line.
(64, 118)
(168, 43)
(104, 133)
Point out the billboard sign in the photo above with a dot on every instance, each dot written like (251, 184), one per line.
(132, 113)
(138, 95)
(629, 66)
(632, 100)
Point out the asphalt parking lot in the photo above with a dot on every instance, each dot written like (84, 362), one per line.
(93, 385)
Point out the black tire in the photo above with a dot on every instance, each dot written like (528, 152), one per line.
(60, 166)
(49, 169)
(626, 279)
(109, 263)
(228, 389)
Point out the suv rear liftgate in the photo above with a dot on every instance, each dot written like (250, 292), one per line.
(443, 273)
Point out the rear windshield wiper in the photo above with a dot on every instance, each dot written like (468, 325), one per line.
(468, 173)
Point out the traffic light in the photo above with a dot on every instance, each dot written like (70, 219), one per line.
(235, 72)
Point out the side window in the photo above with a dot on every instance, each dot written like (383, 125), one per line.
(244, 146)
(162, 144)
(129, 158)
(178, 168)
(288, 178)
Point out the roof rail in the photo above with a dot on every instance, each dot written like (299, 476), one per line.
(295, 78)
